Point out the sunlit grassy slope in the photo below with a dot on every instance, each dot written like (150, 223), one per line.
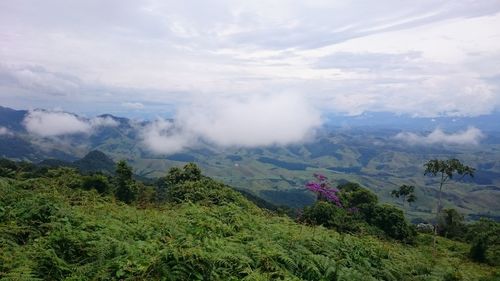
(49, 231)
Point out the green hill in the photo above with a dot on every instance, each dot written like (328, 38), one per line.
(51, 228)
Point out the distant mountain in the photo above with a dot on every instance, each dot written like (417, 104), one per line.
(94, 161)
(12, 119)
(16, 148)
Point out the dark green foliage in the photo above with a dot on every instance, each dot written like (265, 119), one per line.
(392, 221)
(451, 224)
(349, 186)
(321, 213)
(358, 199)
(126, 189)
(205, 191)
(190, 172)
(478, 249)
(123, 171)
(8, 164)
(7, 173)
(97, 182)
(484, 236)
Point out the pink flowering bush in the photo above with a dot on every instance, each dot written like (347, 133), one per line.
(323, 189)
(354, 209)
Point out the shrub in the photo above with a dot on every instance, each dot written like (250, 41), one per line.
(355, 197)
(190, 172)
(485, 241)
(392, 221)
(98, 182)
(65, 176)
(321, 213)
(126, 189)
(205, 191)
(451, 224)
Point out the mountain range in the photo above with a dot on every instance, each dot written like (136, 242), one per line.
(346, 149)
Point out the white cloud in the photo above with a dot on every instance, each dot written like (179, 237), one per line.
(161, 136)
(5, 132)
(46, 123)
(57, 123)
(133, 105)
(471, 136)
(245, 122)
(103, 122)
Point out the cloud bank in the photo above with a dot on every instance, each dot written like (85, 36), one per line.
(246, 122)
(424, 58)
(471, 136)
(55, 123)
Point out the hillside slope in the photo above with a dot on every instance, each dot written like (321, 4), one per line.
(49, 231)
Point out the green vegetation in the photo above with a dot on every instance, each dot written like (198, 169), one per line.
(485, 239)
(356, 210)
(59, 224)
(126, 190)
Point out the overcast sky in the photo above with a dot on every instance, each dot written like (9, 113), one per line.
(147, 58)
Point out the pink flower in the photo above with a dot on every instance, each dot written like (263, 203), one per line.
(323, 190)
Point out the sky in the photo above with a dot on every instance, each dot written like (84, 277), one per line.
(248, 73)
(164, 58)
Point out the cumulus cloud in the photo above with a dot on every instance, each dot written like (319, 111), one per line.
(246, 122)
(5, 132)
(56, 123)
(471, 136)
(133, 105)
